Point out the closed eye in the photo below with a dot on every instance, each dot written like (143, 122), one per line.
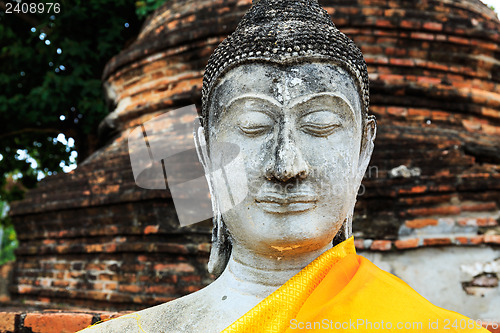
(320, 123)
(255, 123)
(255, 130)
(320, 130)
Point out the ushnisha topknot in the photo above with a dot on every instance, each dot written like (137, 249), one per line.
(285, 32)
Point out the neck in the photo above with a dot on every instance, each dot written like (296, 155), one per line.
(260, 274)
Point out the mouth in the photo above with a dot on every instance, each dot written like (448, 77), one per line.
(285, 204)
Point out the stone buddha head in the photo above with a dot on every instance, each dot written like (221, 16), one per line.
(291, 92)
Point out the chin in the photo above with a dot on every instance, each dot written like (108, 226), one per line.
(294, 234)
(296, 244)
(283, 232)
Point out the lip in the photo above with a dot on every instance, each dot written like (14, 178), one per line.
(285, 204)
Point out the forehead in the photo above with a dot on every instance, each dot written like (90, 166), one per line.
(284, 84)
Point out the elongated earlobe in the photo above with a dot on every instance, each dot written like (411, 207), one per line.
(367, 145)
(341, 234)
(221, 247)
(221, 243)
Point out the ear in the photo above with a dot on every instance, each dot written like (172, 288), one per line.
(200, 143)
(221, 243)
(369, 134)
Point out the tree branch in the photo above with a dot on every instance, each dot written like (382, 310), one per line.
(31, 130)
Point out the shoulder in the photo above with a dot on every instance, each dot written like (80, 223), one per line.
(179, 315)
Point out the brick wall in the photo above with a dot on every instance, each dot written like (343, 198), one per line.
(51, 321)
(6, 271)
(93, 238)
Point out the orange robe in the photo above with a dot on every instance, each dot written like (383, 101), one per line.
(341, 291)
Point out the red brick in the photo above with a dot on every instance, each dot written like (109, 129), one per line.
(381, 245)
(467, 221)
(426, 211)
(397, 111)
(493, 327)
(458, 40)
(359, 244)
(407, 243)
(476, 240)
(491, 130)
(383, 23)
(438, 66)
(462, 240)
(191, 278)
(488, 46)
(420, 223)
(151, 229)
(130, 288)
(24, 289)
(436, 241)
(410, 24)
(57, 322)
(161, 289)
(471, 125)
(486, 222)
(180, 267)
(433, 26)
(490, 112)
(191, 289)
(330, 10)
(492, 239)
(402, 62)
(370, 11)
(44, 300)
(371, 49)
(8, 321)
(422, 35)
(392, 78)
(414, 189)
(204, 247)
(429, 80)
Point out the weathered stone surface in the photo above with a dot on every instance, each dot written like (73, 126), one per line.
(450, 277)
(93, 235)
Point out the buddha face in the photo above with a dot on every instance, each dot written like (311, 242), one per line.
(299, 131)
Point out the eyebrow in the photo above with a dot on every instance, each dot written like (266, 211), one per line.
(307, 98)
(295, 102)
(261, 98)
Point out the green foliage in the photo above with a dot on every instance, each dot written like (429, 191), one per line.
(50, 83)
(146, 7)
(8, 245)
(8, 240)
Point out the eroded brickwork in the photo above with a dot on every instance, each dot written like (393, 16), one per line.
(93, 238)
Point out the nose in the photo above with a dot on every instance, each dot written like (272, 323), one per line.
(286, 161)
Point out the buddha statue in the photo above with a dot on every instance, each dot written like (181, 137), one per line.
(291, 91)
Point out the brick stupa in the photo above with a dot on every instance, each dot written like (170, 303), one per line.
(92, 238)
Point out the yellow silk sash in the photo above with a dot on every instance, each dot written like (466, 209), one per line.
(341, 291)
(274, 313)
